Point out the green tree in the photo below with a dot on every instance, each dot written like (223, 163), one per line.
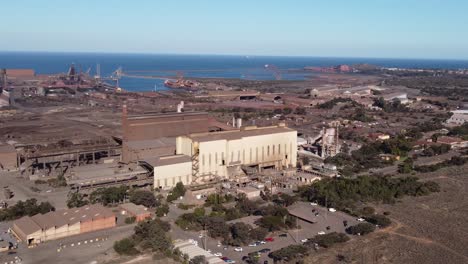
(152, 235)
(178, 191)
(125, 246)
(162, 210)
(144, 197)
(75, 199)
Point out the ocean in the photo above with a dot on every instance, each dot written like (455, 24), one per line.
(205, 66)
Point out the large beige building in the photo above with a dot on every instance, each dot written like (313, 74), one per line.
(223, 154)
(63, 223)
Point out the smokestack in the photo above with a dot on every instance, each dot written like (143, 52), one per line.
(124, 121)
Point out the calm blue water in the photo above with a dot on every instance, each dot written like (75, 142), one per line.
(244, 67)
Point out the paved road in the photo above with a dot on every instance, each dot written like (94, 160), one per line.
(78, 253)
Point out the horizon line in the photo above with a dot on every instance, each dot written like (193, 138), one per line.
(230, 55)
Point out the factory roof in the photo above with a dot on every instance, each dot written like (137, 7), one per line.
(168, 160)
(27, 225)
(20, 72)
(151, 143)
(31, 224)
(102, 173)
(238, 134)
(187, 247)
(134, 209)
(7, 149)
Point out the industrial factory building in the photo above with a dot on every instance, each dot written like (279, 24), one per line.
(63, 223)
(222, 154)
(192, 147)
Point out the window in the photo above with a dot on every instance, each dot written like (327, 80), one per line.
(209, 159)
(279, 148)
(256, 154)
(232, 156)
(216, 158)
(203, 159)
(268, 151)
(273, 149)
(238, 155)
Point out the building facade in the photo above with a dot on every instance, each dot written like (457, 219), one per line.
(222, 154)
(63, 223)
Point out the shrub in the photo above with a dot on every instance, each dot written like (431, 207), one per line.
(379, 220)
(361, 229)
(329, 239)
(289, 253)
(125, 246)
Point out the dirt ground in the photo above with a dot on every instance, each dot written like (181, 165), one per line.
(428, 229)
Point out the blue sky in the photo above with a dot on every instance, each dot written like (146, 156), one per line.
(336, 28)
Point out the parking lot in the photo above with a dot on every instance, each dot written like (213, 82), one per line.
(307, 229)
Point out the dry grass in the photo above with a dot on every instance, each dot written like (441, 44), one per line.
(430, 229)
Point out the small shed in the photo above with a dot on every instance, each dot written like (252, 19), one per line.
(138, 211)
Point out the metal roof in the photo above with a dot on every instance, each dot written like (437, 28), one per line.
(57, 219)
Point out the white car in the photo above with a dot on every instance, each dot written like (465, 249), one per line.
(360, 219)
(261, 242)
(253, 245)
(321, 233)
(218, 254)
(313, 204)
(332, 210)
(238, 249)
(304, 240)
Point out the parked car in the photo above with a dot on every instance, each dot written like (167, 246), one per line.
(332, 210)
(269, 239)
(328, 227)
(321, 233)
(360, 219)
(313, 204)
(283, 235)
(238, 249)
(265, 250)
(304, 240)
(218, 254)
(260, 242)
(265, 262)
(253, 245)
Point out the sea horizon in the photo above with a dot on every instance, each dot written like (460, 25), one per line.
(249, 67)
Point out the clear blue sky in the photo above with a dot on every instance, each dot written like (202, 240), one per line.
(337, 28)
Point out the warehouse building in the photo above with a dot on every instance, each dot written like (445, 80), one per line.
(63, 223)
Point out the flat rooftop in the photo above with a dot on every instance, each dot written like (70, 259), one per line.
(167, 160)
(186, 247)
(96, 173)
(151, 143)
(134, 209)
(238, 134)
